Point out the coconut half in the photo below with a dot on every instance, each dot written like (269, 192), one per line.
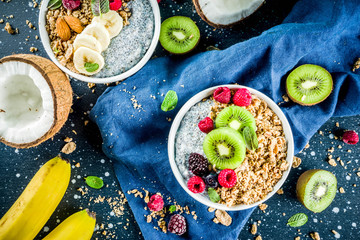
(35, 100)
(225, 13)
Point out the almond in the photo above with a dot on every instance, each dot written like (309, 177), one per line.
(74, 23)
(62, 29)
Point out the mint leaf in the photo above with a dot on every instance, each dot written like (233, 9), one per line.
(250, 138)
(99, 7)
(213, 195)
(54, 4)
(172, 208)
(91, 67)
(297, 220)
(170, 101)
(94, 182)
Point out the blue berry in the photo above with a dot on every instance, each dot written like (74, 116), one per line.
(211, 180)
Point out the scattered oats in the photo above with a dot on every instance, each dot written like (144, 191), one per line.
(33, 49)
(332, 162)
(358, 174)
(9, 29)
(74, 132)
(341, 190)
(321, 132)
(1, 20)
(307, 146)
(356, 65)
(285, 98)
(284, 214)
(332, 149)
(215, 220)
(315, 236)
(334, 232)
(258, 237)
(210, 209)
(296, 162)
(36, 37)
(280, 191)
(86, 122)
(91, 85)
(69, 148)
(342, 163)
(223, 217)
(253, 229)
(148, 219)
(337, 124)
(349, 151)
(263, 206)
(67, 139)
(77, 165)
(297, 238)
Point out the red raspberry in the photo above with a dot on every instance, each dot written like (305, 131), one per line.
(242, 97)
(156, 203)
(158, 1)
(115, 4)
(227, 178)
(196, 184)
(177, 224)
(206, 125)
(71, 4)
(222, 94)
(350, 137)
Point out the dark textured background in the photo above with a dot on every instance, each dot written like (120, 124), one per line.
(18, 166)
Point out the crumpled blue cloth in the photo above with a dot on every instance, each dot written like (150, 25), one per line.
(324, 32)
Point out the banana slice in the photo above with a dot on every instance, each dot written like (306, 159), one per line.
(84, 40)
(88, 61)
(98, 31)
(112, 22)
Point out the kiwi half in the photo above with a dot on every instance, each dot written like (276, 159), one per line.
(236, 118)
(309, 84)
(316, 189)
(224, 148)
(179, 35)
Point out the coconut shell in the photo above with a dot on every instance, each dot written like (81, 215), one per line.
(60, 89)
(203, 16)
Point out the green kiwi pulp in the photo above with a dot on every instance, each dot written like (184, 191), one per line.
(179, 34)
(224, 148)
(309, 84)
(316, 189)
(236, 118)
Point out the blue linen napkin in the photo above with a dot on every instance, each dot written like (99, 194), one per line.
(317, 32)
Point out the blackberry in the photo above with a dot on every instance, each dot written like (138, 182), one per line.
(198, 165)
(211, 180)
(177, 224)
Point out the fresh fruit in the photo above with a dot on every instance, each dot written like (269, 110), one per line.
(62, 29)
(111, 21)
(211, 180)
(35, 100)
(38, 201)
(309, 84)
(156, 203)
(350, 137)
(242, 97)
(224, 148)
(236, 118)
(198, 165)
(84, 40)
(206, 125)
(316, 189)
(177, 224)
(79, 226)
(98, 31)
(71, 4)
(227, 178)
(74, 23)
(196, 184)
(115, 4)
(222, 94)
(179, 35)
(88, 61)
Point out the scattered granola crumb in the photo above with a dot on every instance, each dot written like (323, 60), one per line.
(334, 232)
(337, 124)
(263, 206)
(315, 236)
(332, 162)
(296, 162)
(358, 174)
(297, 238)
(1, 20)
(307, 146)
(67, 139)
(356, 65)
(341, 190)
(223, 217)
(210, 209)
(77, 165)
(33, 49)
(285, 97)
(69, 148)
(91, 85)
(258, 237)
(253, 229)
(9, 29)
(280, 191)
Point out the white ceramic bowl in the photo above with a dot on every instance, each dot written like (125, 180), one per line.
(176, 123)
(46, 43)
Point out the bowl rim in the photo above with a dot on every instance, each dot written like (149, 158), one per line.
(176, 123)
(46, 44)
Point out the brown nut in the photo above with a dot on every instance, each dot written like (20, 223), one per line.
(62, 29)
(74, 23)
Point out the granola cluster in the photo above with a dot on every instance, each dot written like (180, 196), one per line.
(263, 167)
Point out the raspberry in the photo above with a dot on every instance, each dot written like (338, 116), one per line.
(350, 137)
(177, 224)
(71, 4)
(156, 203)
(198, 165)
(196, 184)
(115, 4)
(227, 178)
(206, 125)
(222, 94)
(242, 97)
(211, 180)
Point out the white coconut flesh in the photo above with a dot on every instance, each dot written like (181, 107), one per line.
(227, 12)
(26, 103)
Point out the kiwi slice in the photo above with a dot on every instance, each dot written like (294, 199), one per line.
(224, 148)
(179, 35)
(236, 118)
(309, 84)
(316, 189)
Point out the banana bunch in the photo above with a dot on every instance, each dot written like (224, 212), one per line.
(79, 226)
(37, 202)
(94, 39)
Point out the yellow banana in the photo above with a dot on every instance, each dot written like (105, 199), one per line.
(37, 202)
(79, 226)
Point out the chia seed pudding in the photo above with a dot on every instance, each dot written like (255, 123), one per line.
(261, 168)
